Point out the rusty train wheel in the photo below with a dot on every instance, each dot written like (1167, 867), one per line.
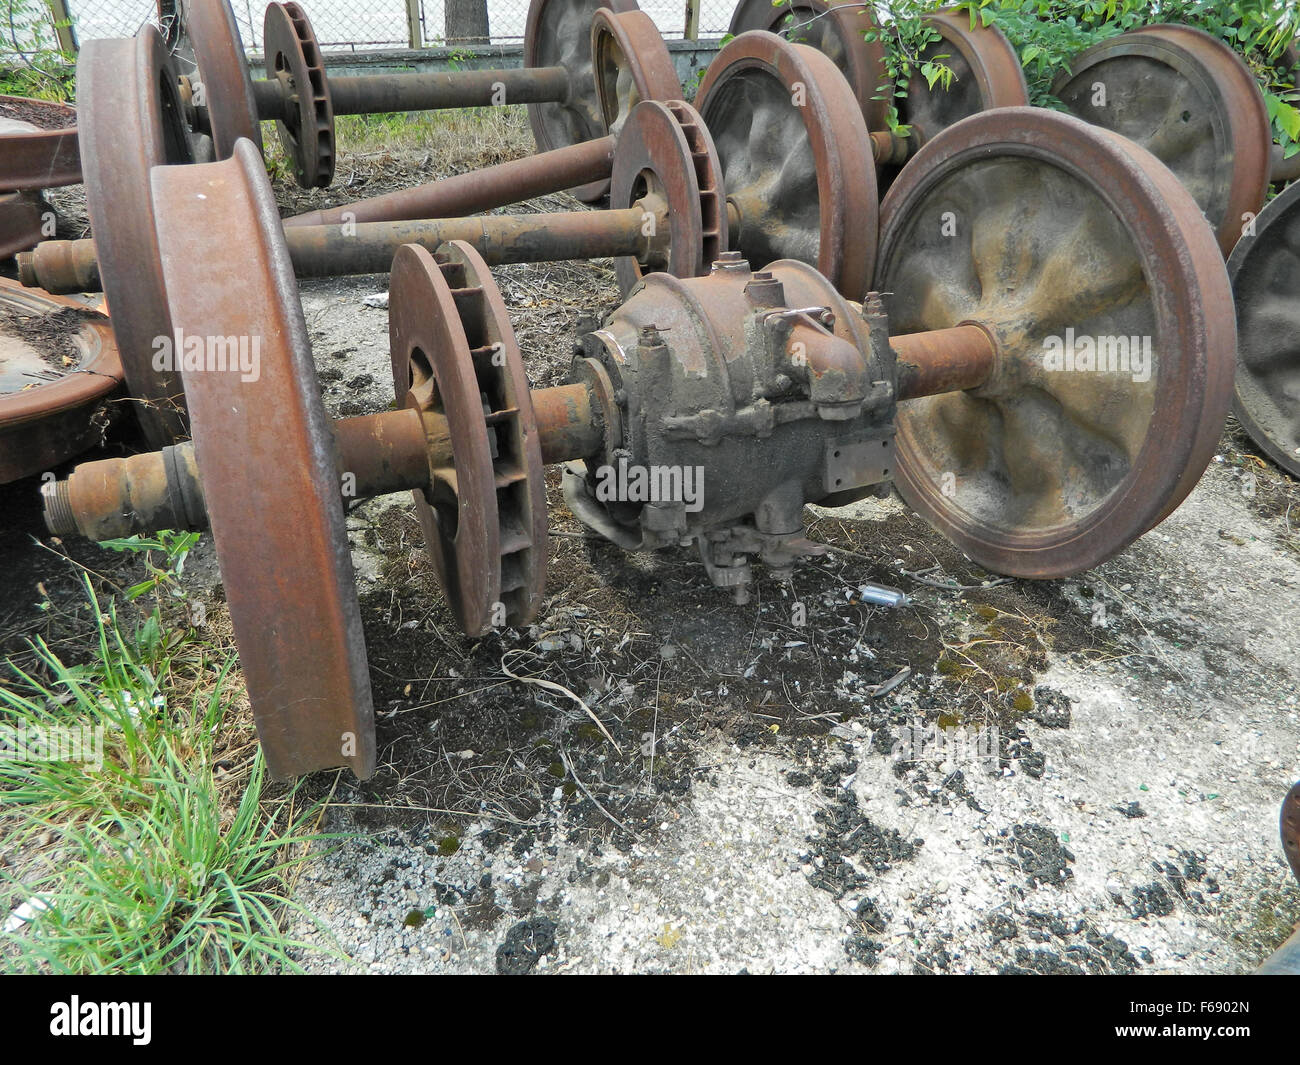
(839, 31)
(130, 121)
(307, 130)
(270, 474)
(1290, 828)
(39, 155)
(629, 64)
(223, 73)
(1265, 272)
(558, 34)
(1049, 232)
(45, 425)
(665, 152)
(454, 354)
(796, 158)
(1189, 100)
(986, 74)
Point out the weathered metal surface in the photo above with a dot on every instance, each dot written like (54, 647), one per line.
(382, 94)
(454, 356)
(270, 473)
(37, 158)
(478, 190)
(306, 126)
(558, 34)
(666, 157)
(839, 31)
(986, 74)
(130, 121)
(227, 85)
(22, 221)
(1045, 230)
(1265, 272)
(48, 417)
(796, 158)
(943, 360)
(1290, 828)
(60, 266)
(630, 64)
(1189, 100)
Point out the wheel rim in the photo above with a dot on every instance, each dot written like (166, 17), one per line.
(281, 540)
(664, 150)
(986, 74)
(307, 130)
(1265, 272)
(839, 32)
(39, 158)
(44, 426)
(1031, 223)
(1189, 100)
(223, 72)
(454, 355)
(130, 121)
(558, 34)
(799, 175)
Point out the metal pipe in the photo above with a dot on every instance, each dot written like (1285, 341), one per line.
(1284, 170)
(478, 191)
(943, 360)
(442, 91)
(368, 248)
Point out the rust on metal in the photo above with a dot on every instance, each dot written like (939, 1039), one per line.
(306, 121)
(229, 102)
(1265, 272)
(130, 121)
(49, 413)
(1190, 100)
(1069, 234)
(280, 534)
(1290, 828)
(795, 156)
(36, 156)
(838, 30)
(943, 360)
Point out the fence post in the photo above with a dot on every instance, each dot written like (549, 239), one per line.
(63, 30)
(692, 20)
(413, 23)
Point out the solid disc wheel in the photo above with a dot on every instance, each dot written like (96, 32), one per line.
(1189, 100)
(129, 120)
(267, 461)
(1074, 249)
(795, 156)
(455, 358)
(1265, 272)
(838, 30)
(558, 34)
(307, 128)
(62, 415)
(227, 85)
(665, 153)
(986, 74)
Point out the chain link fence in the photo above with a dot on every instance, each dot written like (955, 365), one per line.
(339, 24)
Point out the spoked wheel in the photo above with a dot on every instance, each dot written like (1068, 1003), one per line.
(455, 358)
(666, 155)
(280, 534)
(630, 64)
(1074, 249)
(1265, 272)
(227, 86)
(986, 74)
(307, 130)
(839, 31)
(130, 120)
(558, 33)
(796, 158)
(1189, 100)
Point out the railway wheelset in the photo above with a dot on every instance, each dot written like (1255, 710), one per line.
(788, 335)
